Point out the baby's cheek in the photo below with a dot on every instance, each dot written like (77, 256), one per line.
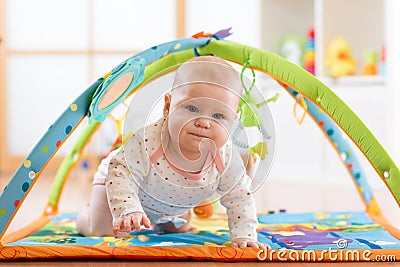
(221, 138)
(175, 125)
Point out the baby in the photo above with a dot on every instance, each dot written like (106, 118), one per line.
(174, 164)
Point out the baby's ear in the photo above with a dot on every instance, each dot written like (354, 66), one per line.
(167, 104)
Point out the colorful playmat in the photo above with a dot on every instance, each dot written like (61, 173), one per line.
(298, 235)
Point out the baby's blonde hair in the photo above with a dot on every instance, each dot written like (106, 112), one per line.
(210, 69)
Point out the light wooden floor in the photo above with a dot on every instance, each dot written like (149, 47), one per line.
(76, 192)
(190, 263)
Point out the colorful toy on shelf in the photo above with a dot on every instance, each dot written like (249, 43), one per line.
(370, 63)
(309, 54)
(339, 58)
(382, 67)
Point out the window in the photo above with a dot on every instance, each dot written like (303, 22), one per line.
(57, 48)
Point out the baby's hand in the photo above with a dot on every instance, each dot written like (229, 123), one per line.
(131, 221)
(245, 242)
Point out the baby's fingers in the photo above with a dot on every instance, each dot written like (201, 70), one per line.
(117, 225)
(135, 223)
(239, 243)
(254, 244)
(146, 221)
(127, 224)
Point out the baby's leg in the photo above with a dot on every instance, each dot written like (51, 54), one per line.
(95, 219)
(169, 227)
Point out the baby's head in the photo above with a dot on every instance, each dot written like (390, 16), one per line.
(203, 103)
(209, 69)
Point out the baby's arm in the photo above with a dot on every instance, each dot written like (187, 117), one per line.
(240, 206)
(122, 187)
(242, 219)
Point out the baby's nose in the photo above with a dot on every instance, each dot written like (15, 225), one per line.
(202, 122)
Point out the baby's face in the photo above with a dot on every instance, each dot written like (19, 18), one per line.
(201, 113)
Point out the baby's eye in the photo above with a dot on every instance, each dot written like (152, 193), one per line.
(192, 108)
(218, 116)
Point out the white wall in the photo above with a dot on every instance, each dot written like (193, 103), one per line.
(49, 63)
(392, 35)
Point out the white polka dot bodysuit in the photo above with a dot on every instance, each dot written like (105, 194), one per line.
(140, 178)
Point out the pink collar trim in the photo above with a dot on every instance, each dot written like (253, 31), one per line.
(192, 176)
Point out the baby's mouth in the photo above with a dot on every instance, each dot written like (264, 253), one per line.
(199, 135)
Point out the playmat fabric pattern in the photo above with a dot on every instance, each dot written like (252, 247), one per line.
(311, 231)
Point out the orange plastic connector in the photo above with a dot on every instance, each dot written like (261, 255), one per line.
(202, 35)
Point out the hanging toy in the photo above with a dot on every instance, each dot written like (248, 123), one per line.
(207, 208)
(250, 115)
(303, 104)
